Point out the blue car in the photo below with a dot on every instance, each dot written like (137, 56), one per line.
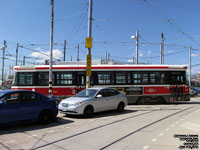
(22, 105)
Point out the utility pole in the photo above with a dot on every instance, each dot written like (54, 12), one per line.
(17, 54)
(64, 50)
(24, 61)
(162, 50)
(136, 37)
(137, 45)
(77, 53)
(88, 45)
(51, 49)
(3, 50)
(10, 70)
(190, 49)
(106, 56)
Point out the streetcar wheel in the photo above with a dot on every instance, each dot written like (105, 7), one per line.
(161, 100)
(139, 101)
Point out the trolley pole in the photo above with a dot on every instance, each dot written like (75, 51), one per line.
(190, 48)
(77, 59)
(64, 50)
(51, 49)
(17, 54)
(88, 44)
(3, 50)
(162, 50)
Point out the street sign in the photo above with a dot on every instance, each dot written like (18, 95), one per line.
(88, 42)
(88, 72)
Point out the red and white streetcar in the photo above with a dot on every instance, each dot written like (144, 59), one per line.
(141, 83)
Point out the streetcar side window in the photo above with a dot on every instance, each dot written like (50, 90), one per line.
(105, 78)
(43, 78)
(145, 78)
(120, 78)
(177, 77)
(64, 78)
(153, 78)
(15, 81)
(136, 78)
(161, 78)
(25, 78)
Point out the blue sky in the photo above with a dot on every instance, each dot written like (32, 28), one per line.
(27, 22)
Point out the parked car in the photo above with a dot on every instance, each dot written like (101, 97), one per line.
(22, 105)
(93, 100)
(194, 91)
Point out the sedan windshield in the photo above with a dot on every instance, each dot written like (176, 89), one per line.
(2, 93)
(87, 93)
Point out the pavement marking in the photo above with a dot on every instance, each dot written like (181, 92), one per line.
(167, 129)
(177, 122)
(66, 127)
(30, 136)
(145, 147)
(161, 134)
(9, 141)
(172, 125)
(51, 131)
(186, 116)
(191, 126)
(182, 119)
(153, 140)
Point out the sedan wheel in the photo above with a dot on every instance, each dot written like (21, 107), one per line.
(120, 107)
(88, 111)
(45, 117)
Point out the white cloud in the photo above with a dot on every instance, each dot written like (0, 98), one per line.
(42, 56)
(130, 60)
(149, 53)
(170, 51)
(194, 55)
(140, 53)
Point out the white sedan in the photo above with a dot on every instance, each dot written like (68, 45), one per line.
(93, 100)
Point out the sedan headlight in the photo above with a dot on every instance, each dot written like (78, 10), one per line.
(75, 104)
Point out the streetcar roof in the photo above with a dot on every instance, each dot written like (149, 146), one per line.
(104, 66)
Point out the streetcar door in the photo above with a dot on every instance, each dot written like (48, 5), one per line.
(80, 81)
(176, 80)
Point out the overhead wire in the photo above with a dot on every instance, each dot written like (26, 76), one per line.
(170, 22)
(72, 15)
(12, 31)
(78, 24)
(38, 52)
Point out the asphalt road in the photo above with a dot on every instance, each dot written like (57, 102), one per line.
(139, 127)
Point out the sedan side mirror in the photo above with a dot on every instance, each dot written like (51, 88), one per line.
(99, 96)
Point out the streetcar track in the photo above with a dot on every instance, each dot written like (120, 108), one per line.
(150, 124)
(5, 146)
(98, 127)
